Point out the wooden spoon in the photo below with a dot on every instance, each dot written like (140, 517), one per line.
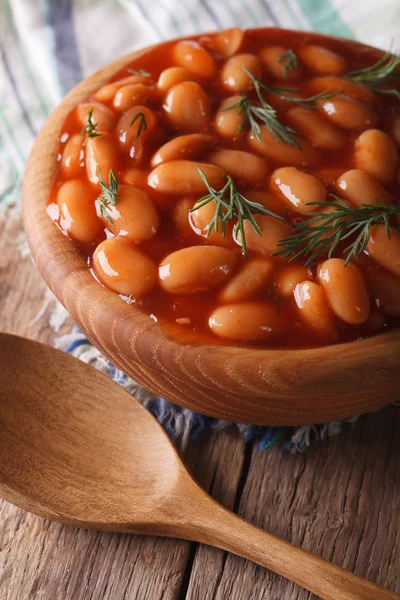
(75, 447)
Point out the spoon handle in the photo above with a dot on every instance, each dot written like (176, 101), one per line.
(219, 527)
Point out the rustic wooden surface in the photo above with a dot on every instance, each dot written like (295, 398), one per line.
(341, 500)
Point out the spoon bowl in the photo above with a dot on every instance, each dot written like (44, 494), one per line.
(92, 451)
(76, 448)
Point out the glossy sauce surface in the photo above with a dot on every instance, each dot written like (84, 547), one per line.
(157, 254)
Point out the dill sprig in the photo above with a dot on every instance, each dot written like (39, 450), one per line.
(290, 60)
(142, 125)
(108, 196)
(138, 72)
(283, 92)
(266, 114)
(89, 130)
(382, 73)
(324, 231)
(231, 204)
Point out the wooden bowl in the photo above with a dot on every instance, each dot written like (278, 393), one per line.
(266, 387)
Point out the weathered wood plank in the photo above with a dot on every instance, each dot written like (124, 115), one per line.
(40, 559)
(340, 501)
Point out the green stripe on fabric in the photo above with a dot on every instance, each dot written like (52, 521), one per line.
(13, 141)
(323, 17)
(25, 60)
(254, 17)
(236, 22)
(192, 15)
(16, 180)
(293, 15)
(178, 29)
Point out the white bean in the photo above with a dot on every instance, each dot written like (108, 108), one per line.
(376, 153)
(172, 76)
(250, 280)
(124, 269)
(195, 269)
(316, 129)
(133, 216)
(183, 147)
(384, 250)
(349, 113)
(246, 321)
(234, 76)
(242, 166)
(228, 121)
(183, 177)
(323, 60)
(77, 212)
(360, 188)
(132, 95)
(227, 42)
(345, 290)
(272, 231)
(297, 188)
(274, 61)
(193, 57)
(101, 156)
(288, 277)
(280, 152)
(187, 107)
(73, 157)
(314, 310)
(108, 91)
(101, 115)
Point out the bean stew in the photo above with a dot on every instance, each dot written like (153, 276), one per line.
(243, 186)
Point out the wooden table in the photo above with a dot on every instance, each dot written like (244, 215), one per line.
(340, 500)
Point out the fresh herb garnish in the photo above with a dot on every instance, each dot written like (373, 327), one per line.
(89, 130)
(267, 114)
(139, 72)
(264, 114)
(142, 124)
(380, 75)
(109, 195)
(283, 92)
(290, 60)
(230, 204)
(324, 231)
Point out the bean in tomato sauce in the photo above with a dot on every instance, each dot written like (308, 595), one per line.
(243, 186)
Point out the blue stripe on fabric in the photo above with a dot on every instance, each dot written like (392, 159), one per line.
(14, 139)
(211, 13)
(18, 97)
(59, 15)
(146, 17)
(76, 344)
(293, 15)
(269, 12)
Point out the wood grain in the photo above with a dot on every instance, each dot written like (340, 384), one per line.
(287, 494)
(248, 385)
(76, 448)
(332, 502)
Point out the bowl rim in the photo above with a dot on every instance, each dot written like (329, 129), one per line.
(66, 272)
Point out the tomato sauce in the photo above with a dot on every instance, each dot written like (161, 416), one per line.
(191, 311)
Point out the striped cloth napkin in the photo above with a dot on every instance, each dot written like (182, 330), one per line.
(47, 46)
